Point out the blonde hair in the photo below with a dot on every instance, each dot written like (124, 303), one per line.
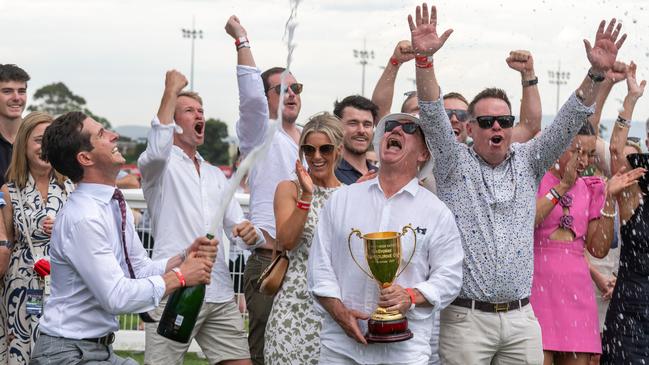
(192, 95)
(329, 125)
(18, 170)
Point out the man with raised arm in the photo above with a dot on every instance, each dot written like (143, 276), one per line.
(491, 189)
(259, 99)
(183, 192)
(99, 266)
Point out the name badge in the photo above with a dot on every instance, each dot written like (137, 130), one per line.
(47, 284)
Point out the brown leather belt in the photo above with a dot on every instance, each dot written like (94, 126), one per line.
(491, 307)
(106, 340)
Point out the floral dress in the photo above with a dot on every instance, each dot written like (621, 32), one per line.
(293, 329)
(21, 327)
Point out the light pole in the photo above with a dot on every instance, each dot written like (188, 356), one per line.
(559, 78)
(192, 34)
(364, 55)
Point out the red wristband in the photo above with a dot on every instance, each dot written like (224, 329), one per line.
(394, 61)
(240, 40)
(303, 205)
(412, 296)
(179, 275)
(423, 62)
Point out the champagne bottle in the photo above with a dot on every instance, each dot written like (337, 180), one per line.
(180, 314)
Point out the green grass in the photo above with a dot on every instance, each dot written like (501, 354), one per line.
(190, 358)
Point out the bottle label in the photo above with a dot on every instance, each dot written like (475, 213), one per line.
(179, 320)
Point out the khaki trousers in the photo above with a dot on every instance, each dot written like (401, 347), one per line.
(471, 336)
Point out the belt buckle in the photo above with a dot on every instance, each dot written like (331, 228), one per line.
(501, 307)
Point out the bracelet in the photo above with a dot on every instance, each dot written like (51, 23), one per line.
(241, 40)
(179, 275)
(608, 215)
(531, 82)
(412, 295)
(595, 77)
(301, 204)
(424, 61)
(394, 61)
(551, 198)
(623, 122)
(8, 244)
(243, 45)
(555, 193)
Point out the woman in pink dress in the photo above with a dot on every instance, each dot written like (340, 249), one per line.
(572, 213)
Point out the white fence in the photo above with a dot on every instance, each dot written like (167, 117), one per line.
(131, 333)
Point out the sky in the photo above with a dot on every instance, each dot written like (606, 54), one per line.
(115, 53)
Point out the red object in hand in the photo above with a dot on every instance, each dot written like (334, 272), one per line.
(42, 267)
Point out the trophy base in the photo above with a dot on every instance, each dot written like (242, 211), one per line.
(388, 331)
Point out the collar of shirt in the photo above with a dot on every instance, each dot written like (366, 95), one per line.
(177, 151)
(100, 192)
(344, 165)
(412, 187)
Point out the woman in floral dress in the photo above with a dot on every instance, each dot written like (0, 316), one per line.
(293, 329)
(34, 194)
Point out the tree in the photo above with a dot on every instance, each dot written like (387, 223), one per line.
(56, 99)
(215, 149)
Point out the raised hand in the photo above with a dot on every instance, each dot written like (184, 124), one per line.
(621, 180)
(423, 31)
(617, 73)
(635, 90)
(570, 172)
(602, 54)
(175, 82)
(234, 28)
(521, 61)
(403, 52)
(304, 179)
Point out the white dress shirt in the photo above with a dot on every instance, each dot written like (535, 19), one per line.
(182, 204)
(435, 269)
(279, 162)
(90, 280)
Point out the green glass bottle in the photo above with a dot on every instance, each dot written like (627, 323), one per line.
(180, 314)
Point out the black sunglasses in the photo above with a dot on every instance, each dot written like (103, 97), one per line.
(487, 121)
(325, 149)
(461, 115)
(296, 88)
(409, 128)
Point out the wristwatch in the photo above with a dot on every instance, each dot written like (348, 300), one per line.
(531, 82)
(623, 122)
(595, 77)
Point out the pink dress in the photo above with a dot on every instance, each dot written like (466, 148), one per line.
(563, 298)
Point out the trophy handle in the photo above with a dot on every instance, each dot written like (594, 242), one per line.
(403, 233)
(349, 244)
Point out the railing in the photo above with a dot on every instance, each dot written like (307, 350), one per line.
(131, 333)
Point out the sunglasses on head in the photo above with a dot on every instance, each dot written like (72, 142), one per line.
(296, 88)
(487, 121)
(461, 115)
(409, 128)
(325, 149)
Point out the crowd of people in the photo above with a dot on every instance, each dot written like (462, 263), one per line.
(528, 246)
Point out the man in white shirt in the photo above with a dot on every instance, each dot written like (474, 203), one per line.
(259, 95)
(387, 203)
(99, 267)
(182, 192)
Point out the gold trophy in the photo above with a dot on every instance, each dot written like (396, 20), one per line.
(383, 255)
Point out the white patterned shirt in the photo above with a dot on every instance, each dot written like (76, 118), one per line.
(494, 207)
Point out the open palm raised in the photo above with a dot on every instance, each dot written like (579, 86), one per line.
(425, 40)
(603, 53)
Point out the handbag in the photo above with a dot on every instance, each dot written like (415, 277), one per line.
(271, 279)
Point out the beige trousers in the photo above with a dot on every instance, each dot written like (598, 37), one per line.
(471, 336)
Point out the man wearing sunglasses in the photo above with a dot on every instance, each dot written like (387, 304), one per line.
(259, 101)
(388, 202)
(491, 188)
(357, 115)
